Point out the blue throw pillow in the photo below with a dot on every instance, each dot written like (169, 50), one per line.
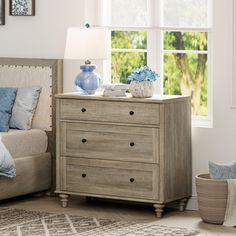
(7, 98)
(222, 171)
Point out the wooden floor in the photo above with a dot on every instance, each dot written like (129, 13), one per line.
(119, 210)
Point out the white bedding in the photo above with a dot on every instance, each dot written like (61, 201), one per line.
(230, 213)
(7, 164)
(25, 142)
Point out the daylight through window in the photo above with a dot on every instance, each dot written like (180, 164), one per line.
(170, 35)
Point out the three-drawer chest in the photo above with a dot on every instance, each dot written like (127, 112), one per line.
(124, 148)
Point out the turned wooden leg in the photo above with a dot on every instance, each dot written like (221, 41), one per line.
(64, 199)
(159, 208)
(182, 204)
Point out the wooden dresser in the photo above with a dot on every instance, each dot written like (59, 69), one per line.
(124, 148)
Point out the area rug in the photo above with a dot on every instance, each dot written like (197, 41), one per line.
(17, 222)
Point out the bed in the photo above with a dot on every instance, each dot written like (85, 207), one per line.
(33, 150)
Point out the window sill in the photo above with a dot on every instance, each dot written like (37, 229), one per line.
(202, 122)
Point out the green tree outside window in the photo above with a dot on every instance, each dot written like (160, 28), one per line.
(184, 73)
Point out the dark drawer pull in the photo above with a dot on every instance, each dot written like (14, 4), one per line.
(131, 113)
(83, 110)
(84, 140)
(83, 175)
(131, 144)
(131, 180)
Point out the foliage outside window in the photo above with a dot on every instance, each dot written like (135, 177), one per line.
(185, 67)
(184, 61)
(129, 51)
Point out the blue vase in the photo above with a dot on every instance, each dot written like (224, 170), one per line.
(87, 81)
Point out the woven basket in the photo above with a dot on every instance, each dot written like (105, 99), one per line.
(212, 198)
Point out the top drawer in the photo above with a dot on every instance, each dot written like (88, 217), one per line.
(107, 111)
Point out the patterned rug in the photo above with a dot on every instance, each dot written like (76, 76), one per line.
(16, 222)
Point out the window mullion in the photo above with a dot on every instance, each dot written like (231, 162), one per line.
(184, 51)
(127, 50)
(139, 28)
(154, 60)
(104, 12)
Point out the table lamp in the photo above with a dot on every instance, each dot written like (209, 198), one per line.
(87, 43)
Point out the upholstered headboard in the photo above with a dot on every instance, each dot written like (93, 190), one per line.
(15, 72)
(47, 73)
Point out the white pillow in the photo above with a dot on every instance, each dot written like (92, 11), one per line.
(24, 107)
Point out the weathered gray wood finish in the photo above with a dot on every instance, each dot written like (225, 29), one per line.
(112, 142)
(124, 148)
(103, 177)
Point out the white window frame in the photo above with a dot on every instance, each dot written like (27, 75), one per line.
(155, 52)
(233, 92)
(197, 121)
(123, 49)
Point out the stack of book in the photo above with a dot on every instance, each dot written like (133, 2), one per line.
(115, 90)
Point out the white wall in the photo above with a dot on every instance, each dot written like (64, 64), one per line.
(44, 36)
(219, 143)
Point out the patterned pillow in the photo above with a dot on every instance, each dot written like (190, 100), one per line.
(222, 171)
(24, 107)
(7, 98)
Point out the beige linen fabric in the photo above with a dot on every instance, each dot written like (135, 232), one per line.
(25, 142)
(27, 76)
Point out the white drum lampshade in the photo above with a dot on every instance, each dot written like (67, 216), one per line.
(87, 43)
(91, 43)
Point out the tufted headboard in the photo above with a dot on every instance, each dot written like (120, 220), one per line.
(47, 73)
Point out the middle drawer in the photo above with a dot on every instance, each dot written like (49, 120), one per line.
(110, 142)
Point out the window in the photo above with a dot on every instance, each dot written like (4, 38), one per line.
(126, 13)
(129, 51)
(173, 38)
(185, 57)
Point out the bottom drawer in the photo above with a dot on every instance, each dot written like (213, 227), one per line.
(113, 178)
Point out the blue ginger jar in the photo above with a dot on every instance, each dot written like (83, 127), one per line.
(87, 81)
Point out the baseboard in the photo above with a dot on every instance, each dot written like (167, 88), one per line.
(192, 204)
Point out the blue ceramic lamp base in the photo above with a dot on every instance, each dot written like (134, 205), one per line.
(87, 82)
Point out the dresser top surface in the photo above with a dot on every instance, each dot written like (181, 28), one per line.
(128, 98)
